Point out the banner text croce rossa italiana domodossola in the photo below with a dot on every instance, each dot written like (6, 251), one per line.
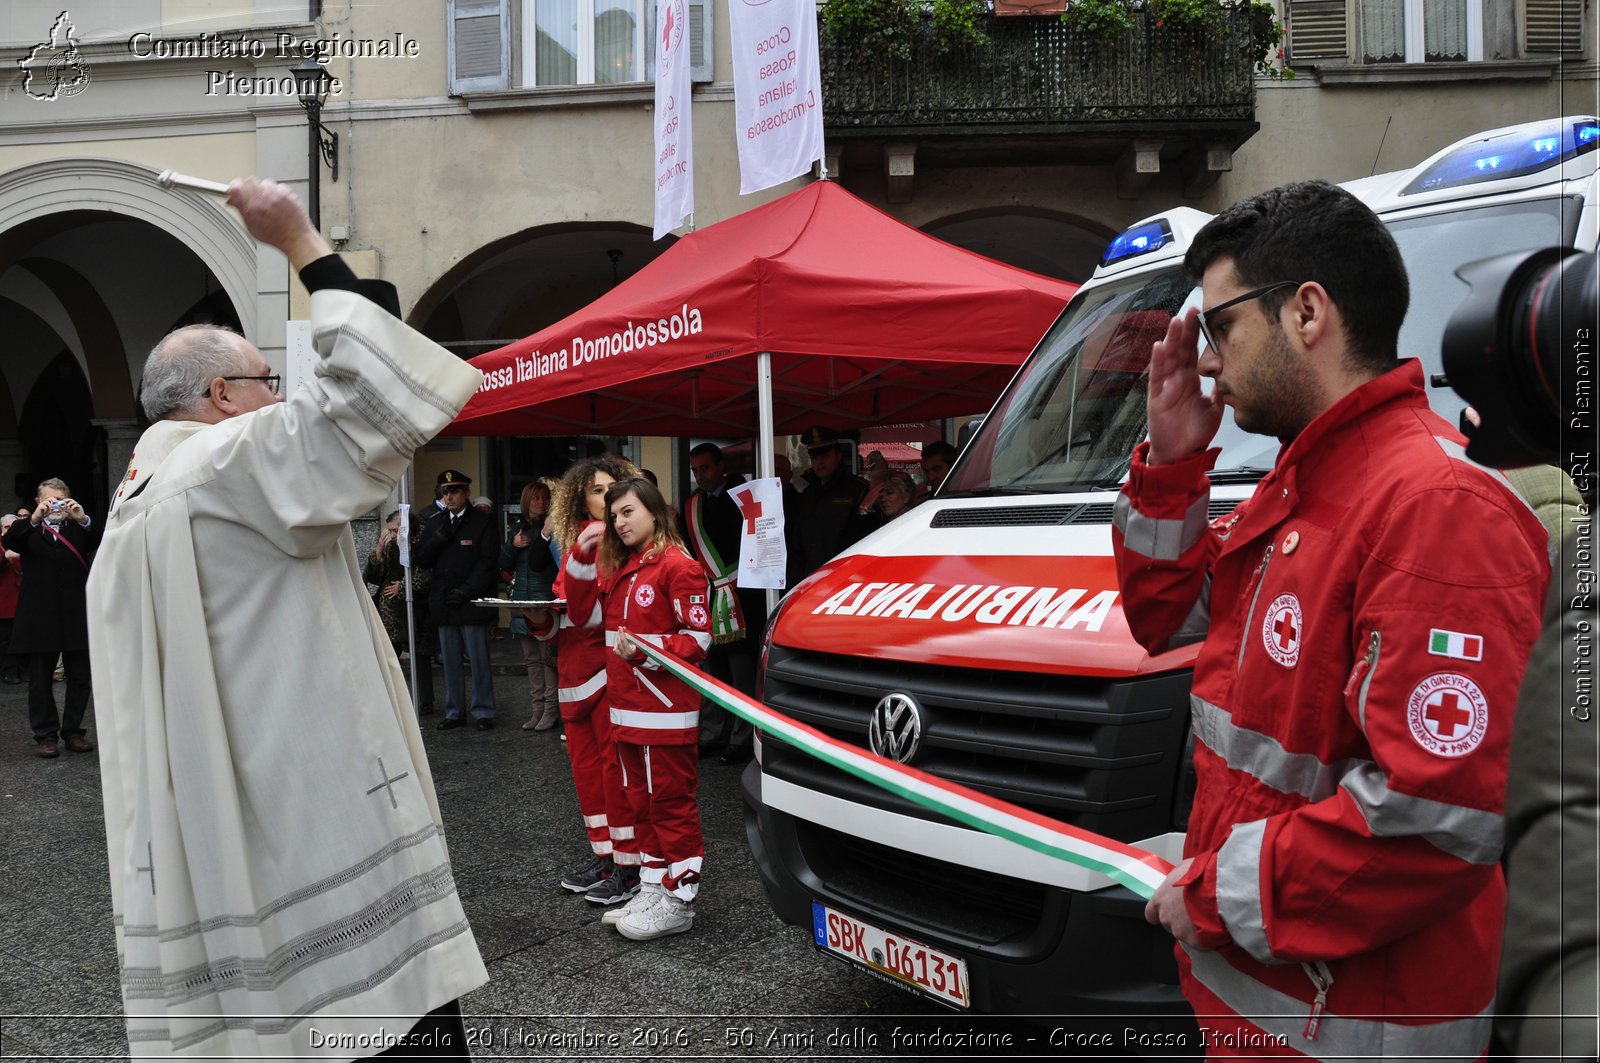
(633, 336)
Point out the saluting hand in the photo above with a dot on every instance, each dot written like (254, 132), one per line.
(1183, 419)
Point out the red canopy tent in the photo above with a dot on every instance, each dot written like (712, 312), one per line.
(866, 321)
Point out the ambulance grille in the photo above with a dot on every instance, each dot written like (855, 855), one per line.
(1099, 753)
(1045, 515)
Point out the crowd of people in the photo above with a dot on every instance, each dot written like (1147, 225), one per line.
(209, 798)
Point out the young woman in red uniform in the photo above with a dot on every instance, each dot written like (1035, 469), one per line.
(651, 590)
(612, 875)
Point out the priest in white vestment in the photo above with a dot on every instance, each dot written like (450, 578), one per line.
(279, 877)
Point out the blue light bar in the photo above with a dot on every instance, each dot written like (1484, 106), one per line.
(1139, 240)
(1512, 155)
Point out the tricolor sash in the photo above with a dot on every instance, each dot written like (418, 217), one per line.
(727, 619)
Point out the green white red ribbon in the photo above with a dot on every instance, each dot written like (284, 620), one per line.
(1138, 869)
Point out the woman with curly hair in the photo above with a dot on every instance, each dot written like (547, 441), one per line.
(612, 875)
(652, 591)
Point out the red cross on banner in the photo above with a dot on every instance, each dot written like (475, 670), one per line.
(749, 509)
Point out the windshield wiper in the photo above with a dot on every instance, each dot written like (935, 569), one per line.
(1243, 474)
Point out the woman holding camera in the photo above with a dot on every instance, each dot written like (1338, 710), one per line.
(532, 567)
(52, 616)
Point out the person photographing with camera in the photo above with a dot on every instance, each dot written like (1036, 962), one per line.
(51, 621)
(1366, 618)
(1521, 349)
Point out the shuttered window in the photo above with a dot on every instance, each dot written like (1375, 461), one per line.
(479, 45)
(1552, 26)
(1317, 30)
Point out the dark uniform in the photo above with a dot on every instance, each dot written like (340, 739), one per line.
(462, 550)
(825, 518)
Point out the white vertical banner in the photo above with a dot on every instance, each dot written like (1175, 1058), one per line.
(674, 169)
(777, 90)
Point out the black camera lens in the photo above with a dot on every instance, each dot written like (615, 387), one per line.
(1521, 350)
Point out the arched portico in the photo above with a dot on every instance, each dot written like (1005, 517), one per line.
(97, 262)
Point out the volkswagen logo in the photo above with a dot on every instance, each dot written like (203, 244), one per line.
(895, 729)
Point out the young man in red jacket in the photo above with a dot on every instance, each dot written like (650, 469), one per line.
(1366, 616)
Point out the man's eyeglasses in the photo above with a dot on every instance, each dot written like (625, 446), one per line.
(453, 489)
(1254, 293)
(272, 380)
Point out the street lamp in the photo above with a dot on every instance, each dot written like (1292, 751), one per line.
(312, 81)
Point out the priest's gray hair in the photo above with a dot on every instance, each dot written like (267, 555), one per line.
(181, 367)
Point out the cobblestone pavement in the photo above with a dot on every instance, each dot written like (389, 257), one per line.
(740, 985)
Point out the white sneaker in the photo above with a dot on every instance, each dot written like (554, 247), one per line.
(669, 915)
(649, 893)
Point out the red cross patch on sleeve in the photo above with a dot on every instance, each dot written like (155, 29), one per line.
(1448, 714)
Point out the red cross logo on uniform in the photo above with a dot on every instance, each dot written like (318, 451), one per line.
(1285, 627)
(1280, 631)
(1448, 714)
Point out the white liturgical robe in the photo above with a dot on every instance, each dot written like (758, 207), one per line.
(279, 878)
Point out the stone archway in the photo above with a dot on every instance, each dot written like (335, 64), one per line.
(111, 185)
(97, 261)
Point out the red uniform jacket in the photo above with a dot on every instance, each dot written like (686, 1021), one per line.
(1367, 618)
(580, 647)
(662, 599)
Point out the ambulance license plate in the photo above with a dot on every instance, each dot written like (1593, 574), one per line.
(911, 963)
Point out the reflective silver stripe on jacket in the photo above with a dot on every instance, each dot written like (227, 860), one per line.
(655, 721)
(1263, 757)
(1239, 889)
(1163, 540)
(586, 689)
(578, 570)
(1470, 834)
(1339, 1037)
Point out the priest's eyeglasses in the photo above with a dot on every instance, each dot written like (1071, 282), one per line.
(1205, 317)
(272, 380)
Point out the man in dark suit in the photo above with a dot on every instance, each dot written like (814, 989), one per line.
(52, 615)
(461, 545)
(737, 616)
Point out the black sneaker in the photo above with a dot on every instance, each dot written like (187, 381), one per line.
(578, 880)
(619, 886)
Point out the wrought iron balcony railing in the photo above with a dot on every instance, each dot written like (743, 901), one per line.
(1036, 75)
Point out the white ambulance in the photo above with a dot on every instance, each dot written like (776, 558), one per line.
(981, 636)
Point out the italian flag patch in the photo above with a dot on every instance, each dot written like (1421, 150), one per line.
(1457, 644)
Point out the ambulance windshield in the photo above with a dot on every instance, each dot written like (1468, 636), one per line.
(1074, 414)
(1071, 418)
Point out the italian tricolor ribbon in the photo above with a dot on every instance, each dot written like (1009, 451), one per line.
(727, 619)
(1139, 870)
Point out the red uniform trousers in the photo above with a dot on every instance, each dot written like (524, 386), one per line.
(608, 817)
(660, 783)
